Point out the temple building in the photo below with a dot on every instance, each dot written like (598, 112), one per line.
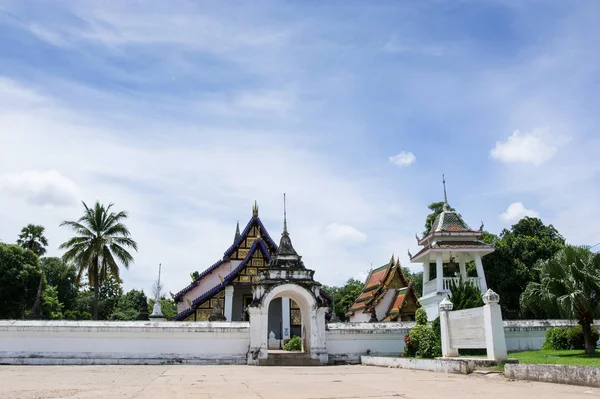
(224, 291)
(386, 296)
(449, 243)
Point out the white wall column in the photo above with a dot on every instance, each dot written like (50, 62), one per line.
(228, 302)
(285, 318)
(480, 272)
(439, 268)
(425, 275)
(462, 266)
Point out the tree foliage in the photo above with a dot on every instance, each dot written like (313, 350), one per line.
(569, 285)
(343, 297)
(510, 267)
(19, 280)
(128, 305)
(32, 238)
(62, 278)
(416, 279)
(101, 243)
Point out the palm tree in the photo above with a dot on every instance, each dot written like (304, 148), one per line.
(99, 244)
(569, 286)
(32, 238)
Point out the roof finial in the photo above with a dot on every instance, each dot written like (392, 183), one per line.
(237, 232)
(284, 215)
(255, 209)
(446, 205)
(444, 182)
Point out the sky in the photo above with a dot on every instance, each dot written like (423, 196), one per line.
(184, 113)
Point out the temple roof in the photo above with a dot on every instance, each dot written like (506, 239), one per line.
(377, 283)
(239, 239)
(403, 297)
(449, 221)
(258, 245)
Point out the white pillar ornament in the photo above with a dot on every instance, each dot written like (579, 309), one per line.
(228, 302)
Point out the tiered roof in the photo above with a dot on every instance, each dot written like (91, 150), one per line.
(406, 301)
(379, 280)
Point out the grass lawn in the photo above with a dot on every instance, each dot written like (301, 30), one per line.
(570, 358)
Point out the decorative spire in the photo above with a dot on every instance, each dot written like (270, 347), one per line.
(284, 215)
(255, 209)
(237, 232)
(286, 255)
(446, 205)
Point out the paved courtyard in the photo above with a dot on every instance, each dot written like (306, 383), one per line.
(26, 382)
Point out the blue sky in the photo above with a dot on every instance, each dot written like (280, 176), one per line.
(185, 113)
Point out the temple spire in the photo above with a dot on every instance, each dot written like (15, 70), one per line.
(255, 209)
(446, 205)
(237, 232)
(284, 216)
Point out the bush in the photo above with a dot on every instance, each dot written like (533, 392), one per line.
(426, 342)
(562, 338)
(437, 328)
(465, 295)
(556, 338)
(421, 317)
(294, 344)
(409, 349)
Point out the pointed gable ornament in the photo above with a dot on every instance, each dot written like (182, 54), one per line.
(255, 209)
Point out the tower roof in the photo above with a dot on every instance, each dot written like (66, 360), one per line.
(286, 256)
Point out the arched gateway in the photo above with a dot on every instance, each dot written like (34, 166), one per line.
(286, 277)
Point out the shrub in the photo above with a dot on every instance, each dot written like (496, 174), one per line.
(437, 328)
(465, 295)
(425, 341)
(409, 349)
(567, 338)
(421, 317)
(294, 344)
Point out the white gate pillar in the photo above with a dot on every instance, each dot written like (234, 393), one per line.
(229, 302)
(494, 328)
(447, 350)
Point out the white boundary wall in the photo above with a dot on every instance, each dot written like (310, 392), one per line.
(87, 342)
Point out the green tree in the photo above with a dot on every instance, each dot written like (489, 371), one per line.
(510, 267)
(52, 308)
(416, 279)
(436, 208)
(63, 278)
(128, 306)
(100, 244)
(19, 280)
(108, 297)
(32, 238)
(570, 286)
(344, 297)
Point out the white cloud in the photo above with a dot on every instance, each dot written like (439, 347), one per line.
(403, 159)
(516, 211)
(43, 188)
(536, 147)
(344, 233)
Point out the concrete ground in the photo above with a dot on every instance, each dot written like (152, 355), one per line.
(26, 382)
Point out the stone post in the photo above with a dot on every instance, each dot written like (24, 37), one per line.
(445, 307)
(228, 302)
(439, 268)
(494, 328)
